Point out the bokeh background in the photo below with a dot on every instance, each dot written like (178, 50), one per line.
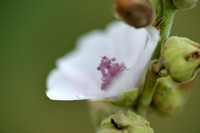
(33, 34)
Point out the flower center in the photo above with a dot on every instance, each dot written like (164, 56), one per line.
(109, 70)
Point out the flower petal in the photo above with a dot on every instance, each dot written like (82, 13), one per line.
(128, 80)
(65, 87)
(128, 42)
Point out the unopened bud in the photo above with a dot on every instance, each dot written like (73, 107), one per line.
(185, 4)
(137, 13)
(169, 96)
(181, 57)
(125, 123)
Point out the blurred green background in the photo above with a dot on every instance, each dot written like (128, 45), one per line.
(33, 34)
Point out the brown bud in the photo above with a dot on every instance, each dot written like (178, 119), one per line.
(137, 13)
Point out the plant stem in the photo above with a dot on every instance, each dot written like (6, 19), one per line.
(151, 77)
(148, 91)
(168, 15)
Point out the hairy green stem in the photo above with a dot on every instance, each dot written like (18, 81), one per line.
(148, 91)
(151, 77)
(168, 16)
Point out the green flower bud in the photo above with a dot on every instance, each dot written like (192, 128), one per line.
(125, 123)
(181, 57)
(185, 4)
(137, 13)
(169, 96)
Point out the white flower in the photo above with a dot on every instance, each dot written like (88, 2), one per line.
(77, 77)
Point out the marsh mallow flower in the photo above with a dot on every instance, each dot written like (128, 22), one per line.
(104, 64)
